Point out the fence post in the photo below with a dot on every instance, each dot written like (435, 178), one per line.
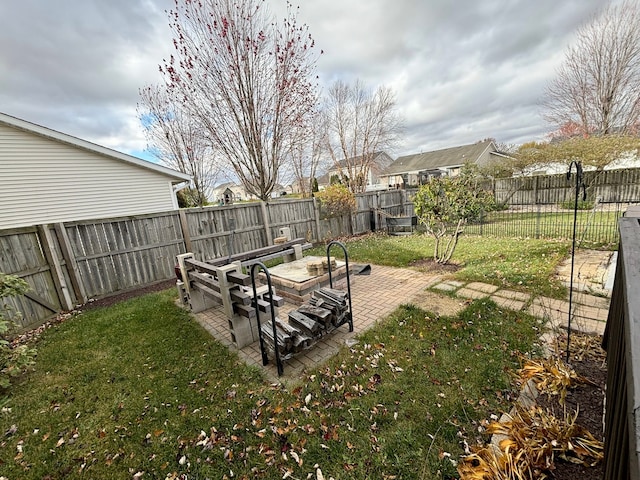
(55, 268)
(184, 226)
(538, 217)
(72, 265)
(316, 214)
(376, 215)
(265, 221)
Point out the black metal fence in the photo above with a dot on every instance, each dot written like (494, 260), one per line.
(596, 226)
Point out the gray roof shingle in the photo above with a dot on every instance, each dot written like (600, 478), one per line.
(448, 157)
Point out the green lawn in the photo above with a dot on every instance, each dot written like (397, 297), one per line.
(594, 229)
(517, 263)
(140, 390)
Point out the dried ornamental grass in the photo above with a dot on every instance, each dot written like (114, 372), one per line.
(583, 346)
(490, 463)
(533, 439)
(551, 376)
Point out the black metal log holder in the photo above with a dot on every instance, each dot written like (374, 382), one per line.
(346, 262)
(263, 350)
(260, 266)
(579, 186)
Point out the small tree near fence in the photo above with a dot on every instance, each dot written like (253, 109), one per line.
(444, 205)
(336, 200)
(13, 359)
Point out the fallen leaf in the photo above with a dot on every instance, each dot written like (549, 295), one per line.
(296, 457)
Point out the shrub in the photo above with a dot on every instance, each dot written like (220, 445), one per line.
(13, 359)
(445, 204)
(336, 200)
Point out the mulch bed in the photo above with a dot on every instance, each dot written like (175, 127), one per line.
(126, 295)
(588, 400)
(431, 266)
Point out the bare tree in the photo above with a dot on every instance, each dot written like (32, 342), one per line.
(305, 155)
(359, 123)
(597, 88)
(249, 82)
(177, 140)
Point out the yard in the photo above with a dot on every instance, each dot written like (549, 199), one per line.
(594, 228)
(140, 390)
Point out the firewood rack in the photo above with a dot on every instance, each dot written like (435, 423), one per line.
(325, 311)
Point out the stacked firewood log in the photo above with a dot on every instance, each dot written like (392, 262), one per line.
(326, 310)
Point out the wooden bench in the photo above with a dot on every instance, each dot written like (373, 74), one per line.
(290, 250)
(220, 281)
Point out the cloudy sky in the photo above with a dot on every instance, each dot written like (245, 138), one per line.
(462, 70)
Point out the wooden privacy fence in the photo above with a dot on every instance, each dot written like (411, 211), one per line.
(66, 264)
(608, 186)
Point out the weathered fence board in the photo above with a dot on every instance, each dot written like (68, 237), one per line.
(21, 255)
(118, 254)
(220, 231)
(609, 186)
(298, 215)
(335, 227)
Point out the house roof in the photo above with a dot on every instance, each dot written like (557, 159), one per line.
(354, 160)
(177, 177)
(378, 164)
(224, 186)
(448, 157)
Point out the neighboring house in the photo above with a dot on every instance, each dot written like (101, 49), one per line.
(230, 191)
(47, 177)
(417, 168)
(299, 185)
(373, 174)
(629, 160)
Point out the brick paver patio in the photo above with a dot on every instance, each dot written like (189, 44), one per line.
(374, 297)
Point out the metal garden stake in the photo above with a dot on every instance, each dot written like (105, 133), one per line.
(579, 186)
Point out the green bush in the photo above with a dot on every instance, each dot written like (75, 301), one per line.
(336, 200)
(445, 204)
(13, 359)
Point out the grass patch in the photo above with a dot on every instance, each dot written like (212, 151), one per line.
(516, 263)
(140, 388)
(594, 229)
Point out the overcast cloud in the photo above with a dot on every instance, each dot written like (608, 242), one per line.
(462, 70)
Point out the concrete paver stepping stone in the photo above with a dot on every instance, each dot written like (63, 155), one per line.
(482, 287)
(509, 303)
(473, 294)
(513, 295)
(445, 287)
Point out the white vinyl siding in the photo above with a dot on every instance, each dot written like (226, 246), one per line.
(43, 180)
